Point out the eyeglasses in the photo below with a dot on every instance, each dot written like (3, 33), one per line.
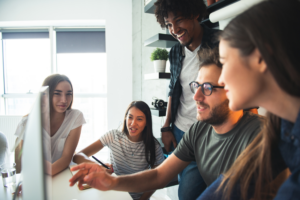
(206, 88)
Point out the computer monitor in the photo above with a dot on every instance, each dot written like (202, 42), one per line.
(37, 150)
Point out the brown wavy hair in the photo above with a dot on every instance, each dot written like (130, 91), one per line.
(208, 56)
(271, 27)
(185, 8)
(147, 134)
(52, 81)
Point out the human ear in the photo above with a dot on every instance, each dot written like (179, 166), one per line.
(259, 61)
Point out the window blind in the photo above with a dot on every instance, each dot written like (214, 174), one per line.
(80, 42)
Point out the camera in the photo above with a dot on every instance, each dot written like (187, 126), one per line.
(159, 104)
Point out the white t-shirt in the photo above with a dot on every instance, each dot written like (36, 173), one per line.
(73, 119)
(128, 157)
(187, 113)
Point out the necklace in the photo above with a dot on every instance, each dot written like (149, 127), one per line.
(134, 150)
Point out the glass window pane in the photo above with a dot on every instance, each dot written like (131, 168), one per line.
(95, 112)
(18, 106)
(87, 71)
(26, 64)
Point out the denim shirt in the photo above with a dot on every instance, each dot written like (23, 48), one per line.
(289, 146)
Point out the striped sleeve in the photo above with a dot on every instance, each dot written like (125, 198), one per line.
(108, 138)
(159, 154)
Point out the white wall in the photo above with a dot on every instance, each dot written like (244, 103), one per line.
(118, 19)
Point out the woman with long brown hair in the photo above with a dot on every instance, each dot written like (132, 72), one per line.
(259, 50)
(65, 124)
(133, 149)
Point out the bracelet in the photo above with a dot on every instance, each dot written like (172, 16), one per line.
(165, 129)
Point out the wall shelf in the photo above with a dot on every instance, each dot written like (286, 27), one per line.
(150, 8)
(158, 113)
(161, 40)
(157, 75)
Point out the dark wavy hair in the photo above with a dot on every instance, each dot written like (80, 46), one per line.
(52, 81)
(272, 27)
(185, 8)
(208, 56)
(147, 134)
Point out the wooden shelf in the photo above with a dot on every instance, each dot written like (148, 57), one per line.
(158, 113)
(157, 75)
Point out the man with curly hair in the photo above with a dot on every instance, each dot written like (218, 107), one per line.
(182, 18)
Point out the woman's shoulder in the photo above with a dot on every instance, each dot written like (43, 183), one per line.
(21, 126)
(112, 136)
(73, 112)
(116, 133)
(157, 144)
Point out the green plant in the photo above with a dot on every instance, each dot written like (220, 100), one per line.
(159, 54)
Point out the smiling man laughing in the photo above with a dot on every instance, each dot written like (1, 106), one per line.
(182, 18)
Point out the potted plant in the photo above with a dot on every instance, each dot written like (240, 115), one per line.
(159, 58)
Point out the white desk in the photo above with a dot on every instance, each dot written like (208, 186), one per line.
(62, 191)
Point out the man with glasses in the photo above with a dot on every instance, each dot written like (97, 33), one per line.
(214, 142)
(182, 19)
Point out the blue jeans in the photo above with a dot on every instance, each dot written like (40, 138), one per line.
(191, 183)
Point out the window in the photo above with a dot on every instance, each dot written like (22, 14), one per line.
(80, 55)
(26, 61)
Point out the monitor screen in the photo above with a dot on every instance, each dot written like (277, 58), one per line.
(36, 153)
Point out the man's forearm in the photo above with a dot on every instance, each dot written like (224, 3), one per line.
(140, 182)
(168, 113)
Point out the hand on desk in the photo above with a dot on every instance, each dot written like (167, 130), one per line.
(94, 175)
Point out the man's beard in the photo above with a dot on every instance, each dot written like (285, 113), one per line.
(188, 43)
(218, 115)
(183, 44)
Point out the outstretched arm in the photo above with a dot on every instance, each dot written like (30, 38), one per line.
(147, 195)
(148, 180)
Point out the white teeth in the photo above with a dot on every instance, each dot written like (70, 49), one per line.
(180, 35)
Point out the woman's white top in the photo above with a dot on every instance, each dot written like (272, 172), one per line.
(128, 157)
(73, 119)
